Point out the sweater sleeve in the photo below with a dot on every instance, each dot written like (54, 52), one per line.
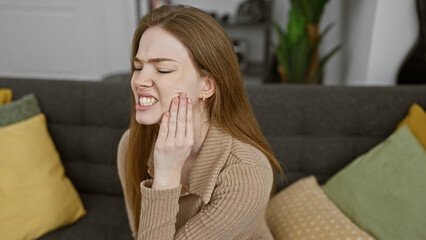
(159, 208)
(241, 194)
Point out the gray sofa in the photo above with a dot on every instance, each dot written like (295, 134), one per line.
(312, 130)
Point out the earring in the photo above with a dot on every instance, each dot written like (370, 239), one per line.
(203, 96)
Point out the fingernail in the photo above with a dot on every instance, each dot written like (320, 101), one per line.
(175, 101)
(189, 100)
(182, 95)
(166, 114)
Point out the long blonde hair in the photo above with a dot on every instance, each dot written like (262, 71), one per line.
(212, 54)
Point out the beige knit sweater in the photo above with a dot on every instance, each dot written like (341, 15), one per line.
(229, 187)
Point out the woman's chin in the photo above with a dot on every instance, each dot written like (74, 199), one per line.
(145, 120)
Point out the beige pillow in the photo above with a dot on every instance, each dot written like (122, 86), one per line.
(303, 211)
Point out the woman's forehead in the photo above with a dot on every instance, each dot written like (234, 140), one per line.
(157, 43)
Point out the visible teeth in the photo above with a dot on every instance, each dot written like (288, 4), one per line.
(147, 101)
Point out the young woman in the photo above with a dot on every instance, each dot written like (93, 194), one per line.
(194, 163)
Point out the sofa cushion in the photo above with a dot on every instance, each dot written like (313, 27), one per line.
(416, 122)
(303, 211)
(5, 95)
(19, 109)
(383, 191)
(106, 219)
(35, 195)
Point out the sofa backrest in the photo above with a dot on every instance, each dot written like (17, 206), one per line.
(312, 129)
(316, 129)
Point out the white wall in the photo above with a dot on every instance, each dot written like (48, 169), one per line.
(333, 14)
(376, 36)
(357, 39)
(395, 30)
(80, 39)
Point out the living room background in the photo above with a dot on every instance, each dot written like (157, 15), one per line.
(88, 40)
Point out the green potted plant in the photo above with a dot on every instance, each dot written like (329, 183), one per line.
(297, 51)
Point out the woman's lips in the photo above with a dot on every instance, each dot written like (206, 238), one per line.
(143, 108)
(145, 94)
(144, 101)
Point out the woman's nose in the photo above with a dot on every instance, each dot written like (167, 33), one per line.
(143, 79)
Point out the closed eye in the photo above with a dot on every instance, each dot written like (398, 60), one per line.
(164, 71)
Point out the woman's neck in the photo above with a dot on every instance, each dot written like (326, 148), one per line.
(201, 127)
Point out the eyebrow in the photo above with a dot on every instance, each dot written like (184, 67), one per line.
(136, 59)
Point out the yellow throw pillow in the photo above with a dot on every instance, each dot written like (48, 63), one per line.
(5, 96)
(35, 195)
(303, 211)
(416, 122)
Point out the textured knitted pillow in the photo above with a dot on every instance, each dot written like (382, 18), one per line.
(303, 211)
(35, 195)
(384, 190)
(19, 110)
(416, 122)
(5, 95)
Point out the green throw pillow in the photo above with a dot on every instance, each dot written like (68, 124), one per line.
(384, 190)
(19, 110)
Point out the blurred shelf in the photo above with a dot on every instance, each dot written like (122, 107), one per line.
(254, 73)
(261, 25)
(256, 69)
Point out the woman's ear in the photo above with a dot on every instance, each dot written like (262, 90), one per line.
(209, 87)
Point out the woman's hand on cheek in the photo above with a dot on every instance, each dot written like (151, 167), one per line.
(174, 143)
